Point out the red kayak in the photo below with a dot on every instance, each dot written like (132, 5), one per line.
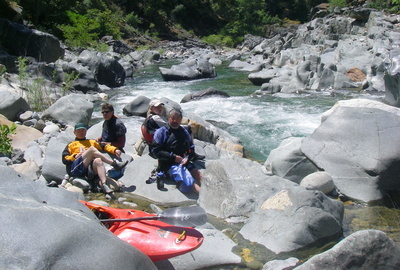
(156, 239)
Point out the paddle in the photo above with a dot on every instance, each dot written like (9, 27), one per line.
(191, 216)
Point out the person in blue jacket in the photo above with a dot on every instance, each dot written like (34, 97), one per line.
(173, 145)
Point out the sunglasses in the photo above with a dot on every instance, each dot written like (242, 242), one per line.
(104, 112)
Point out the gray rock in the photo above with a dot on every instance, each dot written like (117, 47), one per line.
(53, 169)
(321, 181)
(106, 70)
(293, 218)
(20, 40)
(86, 81)
(203, 94)
(71, 109)
(369, 249)
(64, 233)
(136, 174)
(50, 128)
(29, 168)
(137, 107)
(207, 255)
(364, 170)
(281, 264)
(230, 187)
(34, 153)
(289, 162)
(190, 70)
(12, 105)
(392, 78)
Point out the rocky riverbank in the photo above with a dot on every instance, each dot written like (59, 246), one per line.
(287, 204)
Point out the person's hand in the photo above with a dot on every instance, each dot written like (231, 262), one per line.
(118, 153)
(178, 159)
(98, 139)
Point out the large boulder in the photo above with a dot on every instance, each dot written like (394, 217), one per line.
(45, 227)
(369, 249)
(85, 81)
(281, 215)
(293, 218)
(190, 70)
(357, 146)
(230, 187)
(22, 41)
(71, 109)
(392, 78)
(22, 136)
(12, 105)
(106, 70)
(289, 162)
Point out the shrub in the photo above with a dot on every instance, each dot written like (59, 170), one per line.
(81, 31)
(219, 40)
(5, 142)
(338, 3)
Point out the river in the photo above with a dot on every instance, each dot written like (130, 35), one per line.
(260, 122)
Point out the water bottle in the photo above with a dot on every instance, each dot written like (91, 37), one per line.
(160, 180)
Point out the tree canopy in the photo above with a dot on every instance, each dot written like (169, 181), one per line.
(224, 21)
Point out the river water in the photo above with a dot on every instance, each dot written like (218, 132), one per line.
(261, 123)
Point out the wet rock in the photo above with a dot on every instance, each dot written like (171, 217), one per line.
(369, 249)
(203, 94)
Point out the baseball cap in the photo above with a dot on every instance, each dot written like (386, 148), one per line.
(80, 126)
(155, 103)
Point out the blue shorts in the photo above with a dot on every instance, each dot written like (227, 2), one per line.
(182, 175)
(77, 168)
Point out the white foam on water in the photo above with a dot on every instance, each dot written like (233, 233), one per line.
(261, 123)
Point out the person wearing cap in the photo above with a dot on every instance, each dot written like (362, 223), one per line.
(82, 155)
(114, 129)
(154, 120)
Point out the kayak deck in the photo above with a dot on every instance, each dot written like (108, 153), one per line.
(156, 239)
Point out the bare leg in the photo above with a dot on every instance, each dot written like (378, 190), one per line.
(197, 176)
(91, 153)
(99, 169)
(94, 156)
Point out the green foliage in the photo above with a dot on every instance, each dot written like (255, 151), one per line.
(22, 74)
(219, 40)
(338, 3)
(85, 30)
(395, 6)
(108, 23)
(81, 31)
(132, 19)
(37, 93)
(3, 71)
(68, 82)
(5, 141)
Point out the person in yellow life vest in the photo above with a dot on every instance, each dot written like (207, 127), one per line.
(84, 155)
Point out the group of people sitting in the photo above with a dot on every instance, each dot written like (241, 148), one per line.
(169, 142)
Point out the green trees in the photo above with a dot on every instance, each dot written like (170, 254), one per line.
(221, 22)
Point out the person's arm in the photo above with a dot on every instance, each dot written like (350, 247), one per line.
(108, 148)
(67, 157)
(120, 142)
(158, 148)
(120, 134)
